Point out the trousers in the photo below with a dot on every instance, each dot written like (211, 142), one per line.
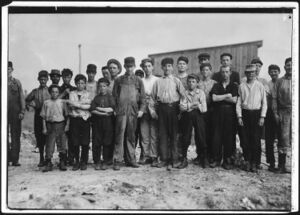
(14, 127)
(149, 136)
(271, 131)
(285, 125)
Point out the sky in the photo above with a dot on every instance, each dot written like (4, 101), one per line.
(50, 41)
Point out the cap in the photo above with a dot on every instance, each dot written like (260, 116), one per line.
(167, 60)
(139, 72)
(203, 55)
(55, 72)
(183, 58)
(103, 80)
(257, 60)
(194, 76)
(43, 73)
(250, 68)
(66, 72)
(273, 67)
(129, 61)
(226, 54)
(9, 64)
(114, 61)
(287, 60)
(91, 68)
(145, 60)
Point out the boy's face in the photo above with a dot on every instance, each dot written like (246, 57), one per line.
(102, 88)
(113, 69)
(167, 68)
(129, 68)
(203, 60)
(225, 72)
(258, 68)
(274, 73)
(182, 66)
(106, 74)
(288, 68)
(148, 68)
(80, 85)
(205, 72)
(9, 72)
(54, 93)
(43, 81)
(67, 79)
(91, 76)
(250, 75)
(55, 79)
(226, 61)
(192, 83)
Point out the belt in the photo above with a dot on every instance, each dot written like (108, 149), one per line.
(55, 122)
(255, 110)
(172, 104)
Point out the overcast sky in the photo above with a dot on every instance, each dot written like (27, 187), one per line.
(42, 41)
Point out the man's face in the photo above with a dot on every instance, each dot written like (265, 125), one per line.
(9, 72)
(288, 68)
(102, 88)
(67, 79)
(80, 85)
(258, 68)
(148, 68)
(225, 72)
(129, 68)
(113, 69)
(43, 81)
(182, 66)
(226, 61)
(205, 72)
(203, 60)
(54, 93)
(91, 76)
(106, 74)
(250, 75)
(167, 68)
(55, 78)
(192, 83)
(274, 73)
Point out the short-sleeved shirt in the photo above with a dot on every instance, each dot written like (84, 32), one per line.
(54, 110)
(218, 89)
(103, 101)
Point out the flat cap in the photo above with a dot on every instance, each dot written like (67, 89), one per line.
(116, 62)
(66, 72)
(9, 64)
(250, 68)
(203, 55)
(43, 73)
(55, 72)
(129, 61)
(257, 60)
(167, 60)
(104, 80)
(273, 67)
(146, 60)
(91, 68)
(287, 60)
(193, 76)
(183, 58)
(225, 54)
(139, 73)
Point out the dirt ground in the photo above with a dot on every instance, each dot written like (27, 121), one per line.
(143, 188)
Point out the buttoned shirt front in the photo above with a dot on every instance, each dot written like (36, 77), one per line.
(82, 98)
(207, 86)
(54, 110)
(38, 96)
(195, 96)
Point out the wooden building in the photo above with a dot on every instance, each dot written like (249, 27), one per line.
(242, 54)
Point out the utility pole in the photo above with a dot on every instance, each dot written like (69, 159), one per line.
(79, 49)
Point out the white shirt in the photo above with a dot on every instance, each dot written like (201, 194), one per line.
(148, 84)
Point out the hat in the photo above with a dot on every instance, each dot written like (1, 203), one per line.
(273, 67)
(250, 68)
(80, 77)
(91, 68)
(287, 60)
(129, 61)
(203, 55)
(193, 76)
(205, 65)
(55, 72)
(167, 60)
(114, 61)
(145, 60)
(226, 54)
(43, 73)
(139, 72)
(103, 80)
(183, 58)
(66, 72)
(104, 67)
(10, 64)
(257, 60)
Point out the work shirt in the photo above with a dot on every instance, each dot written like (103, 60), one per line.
(15, 96)
(91, 87)
(129, 94)
(54, 110)
(252, 97)
(148, 84)
(38, 96)
(63, 87)
(234, 77)
(183, 80)
(192, 97)
(206, 86)
(82, 98)
(282, 94)
(218, 89)
(168, 89)
(103, 101)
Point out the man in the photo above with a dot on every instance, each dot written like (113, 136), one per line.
(282, 108)
(115, 68)
(15, 115)
(55, 76)
(182, 65)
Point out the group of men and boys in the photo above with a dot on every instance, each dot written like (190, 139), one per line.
(160, 113)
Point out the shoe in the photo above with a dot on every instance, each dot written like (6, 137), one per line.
(97, 166)
(104, 166)
(177, 164)
(214, 164)
(83, 166)
(169, 166)
(41, 163)
(145, 161)
(76, 166)
(62, 163)
(48, 166)
(162, 164)
(134, 165)
(204, 163)
(226, 165)
(16, 164)
(154, 162)
(196, 161)
(272, 168)
(116, 166)
(183, 164)
(247, 166)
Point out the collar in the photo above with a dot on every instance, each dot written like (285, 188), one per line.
(182, 76)
(193, 92)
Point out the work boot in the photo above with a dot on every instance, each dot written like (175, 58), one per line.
(183, 164)
(133, 164)
(97, 166)
(48, 166)
(83, 165)
(104, 166)
(76, 166)
(145, 160)
(214, 164)
(196, 161)
(162, 164)
(116, 165)
(62, 162)
(247, 166)
(154, 162)
(272, 168)
(281, 164)
(42, 162)
(177, 164)
(253, 168)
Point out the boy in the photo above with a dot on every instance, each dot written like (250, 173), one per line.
(102, 107)
(55, 76)
(105, 73)
(91, 85)
(39, 95)
(166, 94)
(251, 111)
(15, 115)
(128, 92)
(271, 129)
(182, 65)
(193, 106)
(79, 103)
(149, 119)
(282, 108)
(115, 68)
(224, 97)
(54, 113)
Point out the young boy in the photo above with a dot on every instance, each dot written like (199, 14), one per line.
(193, 106)
(115, 68)
(271, 129)
(128, 92)
(106, 73)
(55, 76)
(251, 111)
(224, 97)
(79, 103)
(102, 107)
(54, 113)
(15, 115)
(282, 108)
(182, 65)
(38, 96)
(166, 94)
(91, 85)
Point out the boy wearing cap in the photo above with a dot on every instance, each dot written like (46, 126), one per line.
(282, 108)
(15, 115)
(128, 92)
(55, 76)
(251, 111)
(166, 94)
(38, 96)
(79, 104)
(193, 106)
(271, 129)
(54, 113)
(102, 107)
(149, 120)
(182, 65)
(224, 97)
